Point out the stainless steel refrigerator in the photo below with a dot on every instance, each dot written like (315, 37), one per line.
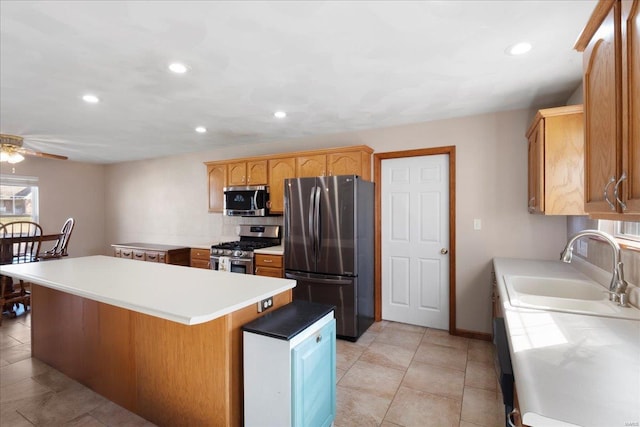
(328, 246)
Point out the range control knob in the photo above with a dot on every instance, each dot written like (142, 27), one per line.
(238, 253)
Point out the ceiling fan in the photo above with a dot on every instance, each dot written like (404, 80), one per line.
(12, 151)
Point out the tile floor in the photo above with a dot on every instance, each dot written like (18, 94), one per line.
(395, 375)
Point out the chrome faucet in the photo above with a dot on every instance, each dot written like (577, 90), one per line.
(618, 285)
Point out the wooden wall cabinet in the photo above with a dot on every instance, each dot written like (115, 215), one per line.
(274, 169)
(611, 64)
(279, 170)
(556, 162)
(269, 265)
(149, 252)
(200, 258)
(217, 180)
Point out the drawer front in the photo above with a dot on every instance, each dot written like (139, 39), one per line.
(200, 263)
(263, 260)
(201, 254)
(117, 252)
(126, 253)
(269, 271)
(139, 255)
(151, 256)
(162, 257)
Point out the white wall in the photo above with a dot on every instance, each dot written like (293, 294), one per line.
(165, 200)
(68, 189)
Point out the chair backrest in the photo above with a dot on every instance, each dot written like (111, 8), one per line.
(63, 241)
(26, 244)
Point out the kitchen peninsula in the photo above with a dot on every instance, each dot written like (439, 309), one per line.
(161, 340)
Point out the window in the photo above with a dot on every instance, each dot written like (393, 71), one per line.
(18, 198)
(627, 230)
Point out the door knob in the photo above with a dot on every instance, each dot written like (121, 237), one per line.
(444, 251)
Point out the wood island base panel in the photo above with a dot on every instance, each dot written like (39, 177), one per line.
(168, 373)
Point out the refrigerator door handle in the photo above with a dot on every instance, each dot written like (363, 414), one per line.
(325, 280)
(316, 220)
(312, 210)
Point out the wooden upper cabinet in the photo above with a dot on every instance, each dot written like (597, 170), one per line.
(349, 163)
(556, 161)
(217, 176)
(279, 170)
(611, 79)
(257, 172)
(312, 165)
(237, 174)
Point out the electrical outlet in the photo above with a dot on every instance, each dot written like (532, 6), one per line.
(265, 304)
(583, 248)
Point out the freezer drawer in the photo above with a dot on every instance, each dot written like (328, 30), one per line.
(339, 291)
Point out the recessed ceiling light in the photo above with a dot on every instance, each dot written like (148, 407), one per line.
(519, 48)
(91, 99)
(280, 114)
(178, 68)
(201, 129)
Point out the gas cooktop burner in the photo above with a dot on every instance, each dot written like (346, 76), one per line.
(243, 245)
(252, 237)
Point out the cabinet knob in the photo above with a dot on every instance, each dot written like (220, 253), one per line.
(319, 338)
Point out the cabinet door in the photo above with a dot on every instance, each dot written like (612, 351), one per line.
(631, 75)
(314, 379)
(269, 272)
(311, 166)
(602, 114)
(266, 260)
(217, 175)
(257, 173)
(279, 170)
(237, 174)
(536, 170)
(349, 163)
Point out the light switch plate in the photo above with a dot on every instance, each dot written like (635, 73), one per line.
(477, 224)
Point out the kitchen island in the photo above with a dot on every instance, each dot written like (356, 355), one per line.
(161, 340)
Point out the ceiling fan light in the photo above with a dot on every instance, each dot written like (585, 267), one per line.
(4, 156)
(15, 158)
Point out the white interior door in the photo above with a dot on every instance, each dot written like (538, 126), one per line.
(415, 240)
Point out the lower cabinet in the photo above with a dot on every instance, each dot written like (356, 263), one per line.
(290, 367)
(200, 258)
(150, 252)
(269, 265)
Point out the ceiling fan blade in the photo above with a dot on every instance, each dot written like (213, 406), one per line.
(34, 153)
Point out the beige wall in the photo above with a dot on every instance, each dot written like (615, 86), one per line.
(165, 200)
(69, 189)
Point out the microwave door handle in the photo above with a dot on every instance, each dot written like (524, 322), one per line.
(254, 199)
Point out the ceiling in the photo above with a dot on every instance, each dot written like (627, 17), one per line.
(333, 66)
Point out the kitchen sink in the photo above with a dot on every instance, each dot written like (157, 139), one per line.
(566, 295)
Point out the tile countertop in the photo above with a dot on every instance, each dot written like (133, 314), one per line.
(570, 369)
(271, 250)
(150, 287)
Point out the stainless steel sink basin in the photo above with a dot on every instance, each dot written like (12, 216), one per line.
(566, 295)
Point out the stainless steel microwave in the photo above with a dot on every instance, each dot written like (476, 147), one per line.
(246, 201)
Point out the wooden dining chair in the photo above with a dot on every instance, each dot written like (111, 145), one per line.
(19, 243)
(60, 247)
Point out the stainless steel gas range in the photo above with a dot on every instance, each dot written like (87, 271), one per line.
(237, 256)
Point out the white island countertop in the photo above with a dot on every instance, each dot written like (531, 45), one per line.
(181, 294)
(570, 369)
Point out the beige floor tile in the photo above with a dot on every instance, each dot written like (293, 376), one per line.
(405, 339)
(440, 337)
(17, 353)
(9, 416)
(21, 370)
(378, 326)
(372, 379)
(406, 327)
(388, 355)
(481, 407)
(481, 351)
(56, 381)
(468, 424)
(416, 408)
(339, 374)
(447, 357)
(17, 331)
(367, 338)
(25, 389)
(7, 341)
(62, 407)
(480, 375)
(3, 362)
(435, 380)
(355, 408)
(112, 414)
(389, 424)
(347, 353)
(85, 420)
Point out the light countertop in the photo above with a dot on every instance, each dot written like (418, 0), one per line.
(570, 369)
(271, 250)
(181, 294)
